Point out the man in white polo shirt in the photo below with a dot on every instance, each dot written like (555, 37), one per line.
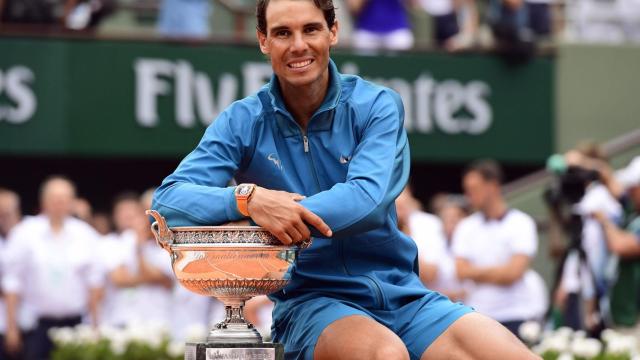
(494, 248)
(50, 265)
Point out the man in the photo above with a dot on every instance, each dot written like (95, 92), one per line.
(329, 155)
(494, 248)
(50, 266)
(9, 218)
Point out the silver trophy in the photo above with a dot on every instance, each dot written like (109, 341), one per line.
(233, 264)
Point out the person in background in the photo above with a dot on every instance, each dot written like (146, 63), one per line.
(380, 25)
(10, 215)
(139, 274)
(455, 23)
(494, 248)
(425, 229)
(185, 19)
(50, 265)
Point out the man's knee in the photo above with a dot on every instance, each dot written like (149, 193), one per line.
(390, 352)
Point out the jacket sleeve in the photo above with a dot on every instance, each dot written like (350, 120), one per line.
(197, 192)
(377, 173)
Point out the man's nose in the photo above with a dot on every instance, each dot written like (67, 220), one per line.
(299, 44)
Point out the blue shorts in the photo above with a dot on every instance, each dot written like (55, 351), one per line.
(417, 323)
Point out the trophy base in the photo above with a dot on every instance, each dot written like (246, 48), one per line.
(246, 351)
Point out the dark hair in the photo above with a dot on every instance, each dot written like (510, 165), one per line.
(488, 169)
(126, 196)
(326, 6)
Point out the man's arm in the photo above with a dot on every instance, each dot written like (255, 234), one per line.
(197, 193)
(621, 242)
(503, 275)
(13, 339)
(378, 171)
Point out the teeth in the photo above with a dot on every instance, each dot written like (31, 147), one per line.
(300, 64)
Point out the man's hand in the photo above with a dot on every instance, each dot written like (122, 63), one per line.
(13, 341)
(280, 214)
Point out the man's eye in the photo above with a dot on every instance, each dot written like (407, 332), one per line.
(310, 30)
(282, 33)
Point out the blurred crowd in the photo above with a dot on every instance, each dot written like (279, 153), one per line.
(68, 266)
(510, 26)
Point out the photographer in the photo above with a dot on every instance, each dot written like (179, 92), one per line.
(580, 289)
(624, 241)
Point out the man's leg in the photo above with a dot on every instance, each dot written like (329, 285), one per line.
(359, 337)
(475, 336)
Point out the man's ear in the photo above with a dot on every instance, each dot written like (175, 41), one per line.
(262, 40)
(334, 33)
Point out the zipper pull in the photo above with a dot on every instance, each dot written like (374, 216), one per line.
(305, 140)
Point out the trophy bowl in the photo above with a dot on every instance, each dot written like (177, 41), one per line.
(231, 263)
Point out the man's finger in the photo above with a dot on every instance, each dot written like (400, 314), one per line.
(315, 221)
(303, 230)
(294, 234)
(297, 197)
(283, 237)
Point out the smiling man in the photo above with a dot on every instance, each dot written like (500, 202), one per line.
(324, 155)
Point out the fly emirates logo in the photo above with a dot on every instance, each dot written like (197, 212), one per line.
(450, 106)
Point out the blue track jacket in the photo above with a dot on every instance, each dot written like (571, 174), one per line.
(351, 164)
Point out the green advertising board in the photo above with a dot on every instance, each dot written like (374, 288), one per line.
(154, 99)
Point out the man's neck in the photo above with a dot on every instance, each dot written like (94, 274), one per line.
(56, 224)
(496, 209)
(303, 101)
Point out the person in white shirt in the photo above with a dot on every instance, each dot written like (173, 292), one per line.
(494, 248)
(10, 215)
(50, 266)
(140, 278)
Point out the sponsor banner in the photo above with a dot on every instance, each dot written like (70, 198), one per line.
(110, 98)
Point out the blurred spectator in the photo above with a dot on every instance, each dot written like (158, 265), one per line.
(86, 15)
(425, 229)
(126, 208)
(139, 274)
(623, 240)
(380, 25)
(258, 312)
(455, 22)
(517, 25)
(27, 11)
(494, 248)
(580, 291)
(50, 265)
(82, 210)
(102, 223)
(451, 212)
(186, 19)
(9, 218)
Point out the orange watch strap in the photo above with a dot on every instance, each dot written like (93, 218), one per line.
(243, 205)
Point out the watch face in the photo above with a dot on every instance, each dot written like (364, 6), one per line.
(244, 190)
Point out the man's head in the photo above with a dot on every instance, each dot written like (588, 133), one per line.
(482, 183)
(9, 211)
(297, 36)
(126, 208)
(629, 178)
(57, 196)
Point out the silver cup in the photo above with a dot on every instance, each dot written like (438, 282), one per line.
(231, 263)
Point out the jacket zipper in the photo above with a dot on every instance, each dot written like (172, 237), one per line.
(305, 141)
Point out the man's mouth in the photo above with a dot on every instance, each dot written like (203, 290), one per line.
(300, 64)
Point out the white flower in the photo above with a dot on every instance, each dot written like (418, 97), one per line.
(622, 344)
(85, 334)
(555, 343)
(564, 331)
(565, 356)
(608, 334)
(586, 348)
(62, 336)
(581, 334)
(530, 331)
(196, 333)
(175, 349)
(118, 344)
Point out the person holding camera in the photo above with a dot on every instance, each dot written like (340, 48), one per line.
(580, 295)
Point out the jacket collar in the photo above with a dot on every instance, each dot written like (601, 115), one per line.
(321, 120)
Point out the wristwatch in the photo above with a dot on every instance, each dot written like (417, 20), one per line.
(243, 194)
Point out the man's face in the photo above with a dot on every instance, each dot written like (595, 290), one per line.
(125, 214)
(297, 41)
(9, 213)
(57, 199)
(477, 190)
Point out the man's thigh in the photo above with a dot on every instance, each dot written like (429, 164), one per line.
(475, 336)
(359, 337)
(300, 328)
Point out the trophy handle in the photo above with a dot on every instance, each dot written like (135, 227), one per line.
(160, 230)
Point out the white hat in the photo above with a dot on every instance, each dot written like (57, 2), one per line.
(630, 175)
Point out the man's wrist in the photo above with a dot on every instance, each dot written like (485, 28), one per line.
(243, 194)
